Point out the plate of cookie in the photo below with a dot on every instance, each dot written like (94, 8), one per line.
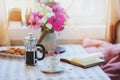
(12, 52)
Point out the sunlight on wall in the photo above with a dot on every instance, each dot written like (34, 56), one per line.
(69, 33)
(85, 11)
(86, 19)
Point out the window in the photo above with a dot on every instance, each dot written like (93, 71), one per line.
(83, 14)
(22, 5)
(86, 11)
(80, 11)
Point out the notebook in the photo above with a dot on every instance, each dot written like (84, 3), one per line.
(85, 61)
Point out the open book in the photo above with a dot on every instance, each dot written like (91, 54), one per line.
(85, 61)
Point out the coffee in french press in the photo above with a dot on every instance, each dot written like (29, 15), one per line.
(32, 49)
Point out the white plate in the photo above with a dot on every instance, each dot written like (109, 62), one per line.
(12, 55)
(56, 69)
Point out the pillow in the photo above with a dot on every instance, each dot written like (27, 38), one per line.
(112, 68)
(112, 51)
(92, 42)
(111, 56)
(115, 50)
(92, 45)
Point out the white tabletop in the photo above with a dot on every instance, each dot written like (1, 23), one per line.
(15, 68)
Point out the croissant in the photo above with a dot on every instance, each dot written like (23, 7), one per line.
(10, 51)
(14, 51)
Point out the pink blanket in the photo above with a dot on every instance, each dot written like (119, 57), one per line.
(111, 56)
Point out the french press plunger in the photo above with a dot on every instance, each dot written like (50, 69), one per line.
(32, 49)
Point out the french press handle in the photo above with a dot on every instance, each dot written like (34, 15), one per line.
(43, 51)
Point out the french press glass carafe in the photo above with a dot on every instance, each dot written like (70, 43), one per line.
(32, 49)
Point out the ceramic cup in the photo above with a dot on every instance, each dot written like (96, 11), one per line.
(51, 62)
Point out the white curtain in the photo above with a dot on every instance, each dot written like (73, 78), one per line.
(118, 7)
(4, 38)
(117, 35)
(112, 18)
(85, 11)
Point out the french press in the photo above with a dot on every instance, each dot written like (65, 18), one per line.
(32, 49)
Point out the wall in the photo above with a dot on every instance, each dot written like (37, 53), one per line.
(68, 36)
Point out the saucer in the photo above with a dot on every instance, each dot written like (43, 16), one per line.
(56, 69)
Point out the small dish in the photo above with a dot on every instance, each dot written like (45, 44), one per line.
(56, 69)
(11, 51)
(12, 55)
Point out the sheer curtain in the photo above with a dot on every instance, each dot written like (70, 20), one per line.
(4, 38)
(117, 26)
(82, 12)
(112, 18)
(118, 7)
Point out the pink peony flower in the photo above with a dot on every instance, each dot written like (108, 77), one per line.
(37, 14)
(57, 8)
(61, 16)
(34, 20)
(57, 21)
(51, 20)
(57, 26)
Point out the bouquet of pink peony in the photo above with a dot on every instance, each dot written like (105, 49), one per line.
(50, 17)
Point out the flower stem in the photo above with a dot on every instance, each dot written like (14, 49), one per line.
(41, 37)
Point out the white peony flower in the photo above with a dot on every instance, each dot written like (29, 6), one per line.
(49, 15)
(43, 20)
(48, 9)
(48, 12)
(49, 26)
(44, 1)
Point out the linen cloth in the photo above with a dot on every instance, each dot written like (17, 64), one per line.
(111, 55)
(15, 69)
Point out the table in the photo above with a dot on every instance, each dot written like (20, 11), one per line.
(15, 68)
